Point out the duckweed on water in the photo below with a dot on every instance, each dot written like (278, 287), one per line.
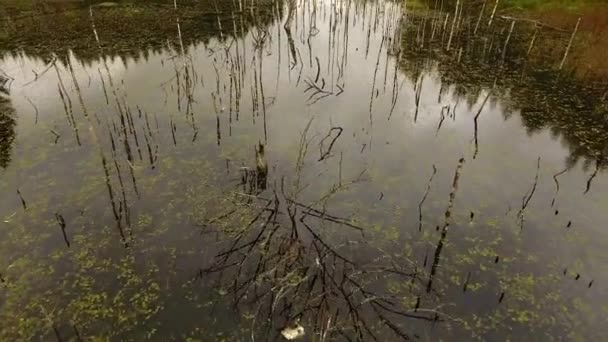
(173, 233)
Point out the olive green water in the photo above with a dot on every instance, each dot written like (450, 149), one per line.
(412, 191)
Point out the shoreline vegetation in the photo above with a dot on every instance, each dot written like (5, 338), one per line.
(588, 19)
(191, 229)
(590, 51)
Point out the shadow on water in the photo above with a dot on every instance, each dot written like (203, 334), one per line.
(353, 170)
(7, 131)
(7, 121)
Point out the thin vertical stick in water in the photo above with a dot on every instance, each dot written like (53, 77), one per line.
(417, 96)
(112, 142)
(218, 131)
(453, 25)
(120, 182)
(77, 87)
(483, 8)
(230, 100)
(131, 126)
(62, 86)
(448, 213)
(396, 87)
(67, 105)
(557, 184)
(426, 193)
(561, 65)
(466, 282)
(219, 22)
(444, 230)
(386, 64)
(526, 199)
(460, 18)
(115, 210)
(103, 84)
(504, 48)
(445, 24)
(476, 125)
(262, 94)
(593, 175)
(61, 222)
(173, 129)
(124, 204)
(22, 200)
(433, 28)
(70, 116)
(371, 99)
(442, 113)
(340, 170)
(93, 25)
(149, 147)
(532, 42)
(35, 109)
(125, 133)
(493, 13)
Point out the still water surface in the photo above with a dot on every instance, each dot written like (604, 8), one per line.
(221, 175)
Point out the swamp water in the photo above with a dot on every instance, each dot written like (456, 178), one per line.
(224, 170)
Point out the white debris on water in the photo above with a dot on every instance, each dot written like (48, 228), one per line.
(293, 332)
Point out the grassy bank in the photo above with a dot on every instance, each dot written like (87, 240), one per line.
(569, 5)
(590, 52)
(588, 58)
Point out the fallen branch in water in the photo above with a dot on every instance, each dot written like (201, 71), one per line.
(292, 271)
(322, 215)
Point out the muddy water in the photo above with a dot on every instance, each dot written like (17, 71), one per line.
(404, 190)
